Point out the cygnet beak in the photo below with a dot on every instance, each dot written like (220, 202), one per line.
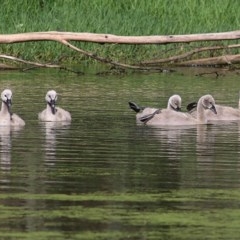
(8, 102)
(52, 104)
(213, 109)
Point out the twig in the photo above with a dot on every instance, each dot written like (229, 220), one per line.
(212, 61)
(36, 65)
(188, 54)
(29, 62)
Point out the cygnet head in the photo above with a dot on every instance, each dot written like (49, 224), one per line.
(6, 97)
(51, 98)
(175, 102)
(208, 102)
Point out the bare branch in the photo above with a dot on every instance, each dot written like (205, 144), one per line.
(28, 62)
(65, 37)
(189, 54)
(221, 60)
(36, 65)
(104, 60)
(109, 38)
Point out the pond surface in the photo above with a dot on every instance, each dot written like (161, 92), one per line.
(104, 177)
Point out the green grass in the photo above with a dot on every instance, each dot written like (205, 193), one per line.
(124, 17)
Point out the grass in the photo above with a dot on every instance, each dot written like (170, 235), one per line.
(125, 17)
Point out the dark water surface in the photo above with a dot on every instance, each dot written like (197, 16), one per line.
(104, 177)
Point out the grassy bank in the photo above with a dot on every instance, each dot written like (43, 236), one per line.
(124, 17)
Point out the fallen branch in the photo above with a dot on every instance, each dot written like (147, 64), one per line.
(105, 60)
(34, 64)
(89, 54)
(65, 38)
(28, 62)
(188, 54)
(110, 38)
(221, 60)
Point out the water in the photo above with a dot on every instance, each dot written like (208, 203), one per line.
(104, 177)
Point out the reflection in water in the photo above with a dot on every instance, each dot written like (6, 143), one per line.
(205, 142)
(171, 148)
(6, 132)
(215, 163)
(5, 148)
(52, 130)
(173, 138)
(199, 155)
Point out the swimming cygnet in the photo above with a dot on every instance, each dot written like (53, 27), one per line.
(52, 113)
(7, 118)
(167, 117)
(224, 113)
(174, 103)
